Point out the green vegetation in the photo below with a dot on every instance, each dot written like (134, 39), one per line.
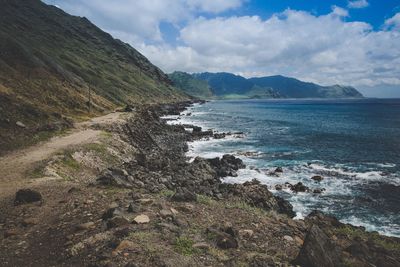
(206, 200)
(50, 60)
(352, 232)
(194, 87)
(184, 246)
(166, 193)
(245, 206)
(69, 162)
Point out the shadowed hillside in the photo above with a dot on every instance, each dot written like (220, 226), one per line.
(48, 62)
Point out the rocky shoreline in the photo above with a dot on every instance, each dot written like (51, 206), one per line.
(166, 211)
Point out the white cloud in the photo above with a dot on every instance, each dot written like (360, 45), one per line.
(393, 22)
(341, 12)
(357, 4)
(142, 18)
(214, 6)
(323, 49)
(326, 49)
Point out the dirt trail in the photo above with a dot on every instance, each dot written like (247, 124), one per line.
(13, 167)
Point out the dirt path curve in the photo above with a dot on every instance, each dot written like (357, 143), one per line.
(14, 166)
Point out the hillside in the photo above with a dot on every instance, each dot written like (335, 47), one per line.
(293, 88)
(229, 86)
(189, 85)
(49, 60)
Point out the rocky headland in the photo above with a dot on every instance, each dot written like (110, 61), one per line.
(132, 198)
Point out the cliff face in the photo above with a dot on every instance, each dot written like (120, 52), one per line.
(50, 59)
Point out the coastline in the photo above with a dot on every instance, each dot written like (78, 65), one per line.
(154, 208)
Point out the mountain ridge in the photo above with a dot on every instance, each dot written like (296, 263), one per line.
(226, 85)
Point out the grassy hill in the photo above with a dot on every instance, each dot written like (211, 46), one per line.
(195, 87)
(49, 60)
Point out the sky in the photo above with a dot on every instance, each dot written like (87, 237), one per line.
(348, 42)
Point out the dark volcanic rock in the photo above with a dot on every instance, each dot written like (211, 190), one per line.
(258, 195)
(227, 165)
(225, 237)
(299, 187)
(24, 196)
(317, 178)
(285, 207)
(318, 250)
(115, 177)
(184, 195)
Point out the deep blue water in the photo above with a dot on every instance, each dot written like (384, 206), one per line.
(353, 144)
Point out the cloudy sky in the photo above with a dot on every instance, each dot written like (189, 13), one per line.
(329, 42)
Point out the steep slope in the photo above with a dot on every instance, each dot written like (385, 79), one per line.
(195, 87)
(48, 62)
(293, 88)
(225, 83)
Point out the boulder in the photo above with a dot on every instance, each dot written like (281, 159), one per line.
(225, 238)
(299, 187)
(115, 177)
(141, 219)
(256, 194)
(285, 207)
(317, 178)
(318, 250)
(278, 169)
(184, 195)
(25, 196)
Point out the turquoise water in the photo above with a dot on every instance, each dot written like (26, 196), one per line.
(353, 144)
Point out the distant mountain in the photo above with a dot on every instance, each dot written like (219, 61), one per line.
(293, 88)
(49, 60)
(230, 86)
(195, 87)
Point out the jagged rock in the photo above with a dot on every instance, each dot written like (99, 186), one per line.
(219, 135)
(299, 187)
(258, 195)
(318, 250)
(115, 177)
(184, 195)
(285, 207)
(227, 165)
(317, 191)
(317, 178)
(164, 213)
(225, 238)
(278, 169)
(25, 196)
(278, 187)
(134, 208)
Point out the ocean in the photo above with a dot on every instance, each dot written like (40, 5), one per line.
(353, 144)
